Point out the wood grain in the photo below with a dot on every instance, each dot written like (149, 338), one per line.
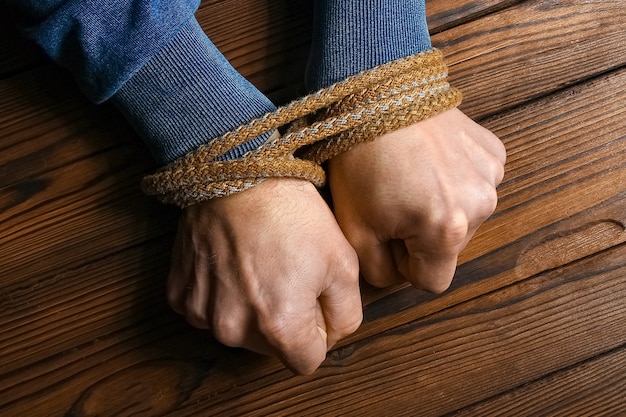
(535, 41)
(593, 387)
(498, 341)
(46, 124)
(443, 14)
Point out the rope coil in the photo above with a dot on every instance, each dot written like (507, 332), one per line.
(360, 108)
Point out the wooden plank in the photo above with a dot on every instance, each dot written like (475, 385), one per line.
(45, 124)
(89, 310)
(595, 387)
(267, 42)
(532, 49)
(39, 330)
(499, 341)
(444, 14)
(62, 219)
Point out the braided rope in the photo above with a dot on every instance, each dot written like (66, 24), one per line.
(360, 108)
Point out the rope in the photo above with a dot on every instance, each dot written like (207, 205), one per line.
(360, 108)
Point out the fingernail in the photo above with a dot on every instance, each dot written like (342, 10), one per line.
(323, 333)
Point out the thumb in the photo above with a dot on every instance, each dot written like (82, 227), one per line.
(377, 262)
(301, 346)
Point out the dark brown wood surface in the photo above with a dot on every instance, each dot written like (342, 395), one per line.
(534, 324)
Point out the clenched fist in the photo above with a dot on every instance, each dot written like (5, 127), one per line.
(409, 201)
(269, 270)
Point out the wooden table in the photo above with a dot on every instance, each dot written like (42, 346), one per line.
(534, 324)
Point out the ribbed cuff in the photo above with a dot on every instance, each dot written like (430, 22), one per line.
(187, 95)
(350, 36)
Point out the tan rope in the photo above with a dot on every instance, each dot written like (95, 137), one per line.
(360, 108)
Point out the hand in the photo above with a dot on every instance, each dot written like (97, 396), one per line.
(269, 270)
(410, 201)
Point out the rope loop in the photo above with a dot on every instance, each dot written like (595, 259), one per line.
(319, 126)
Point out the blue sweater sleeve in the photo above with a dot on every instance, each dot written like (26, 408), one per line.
(188, 94)
(350, 36)
(102, 43)
(156, 64)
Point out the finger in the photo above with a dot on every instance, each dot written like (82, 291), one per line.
(496, 147)
(492, 169)
(323, 334)
(232, 322)
(488, 160)
(178, 278)
(479, 204)
(488, 152)
(432, 273)
(321, 322)
(296, 340)
(292, 330)
(189, 282)
(432, 255)
(197, 299)
(254, 341)
(341, 306)
(376, 262)
(235, 325)
(489, 141)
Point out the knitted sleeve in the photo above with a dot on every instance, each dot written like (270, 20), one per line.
(102, 43)
(187, 95)
(350, 36)
(372, 68)
(156, 64)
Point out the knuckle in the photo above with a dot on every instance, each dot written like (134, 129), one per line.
(174, 291)
(347, 264)
(197, 317)
(501, 152)
(352, 326)
(227, 332)
(451, 226)
(499, 172)
(488, 199)
(495, 167)
(497, 147)
(173, 299)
